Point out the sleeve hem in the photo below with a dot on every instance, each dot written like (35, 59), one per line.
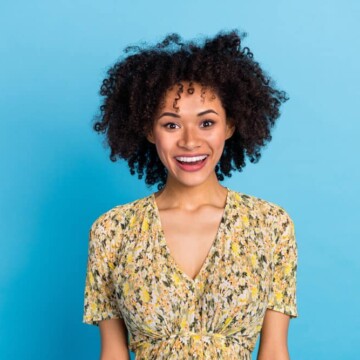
(292, 312)
(95, 320)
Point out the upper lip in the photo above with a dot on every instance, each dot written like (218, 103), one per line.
(191, 155)
(190, 158)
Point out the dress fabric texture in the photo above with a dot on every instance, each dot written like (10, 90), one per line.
(250, 267)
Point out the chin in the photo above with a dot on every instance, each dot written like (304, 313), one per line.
(191, 179)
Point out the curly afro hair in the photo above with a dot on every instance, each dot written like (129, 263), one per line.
(136, 85)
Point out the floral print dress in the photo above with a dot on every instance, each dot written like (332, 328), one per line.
(250, 267)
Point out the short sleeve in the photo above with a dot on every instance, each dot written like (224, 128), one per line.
(100, 299)
(282, 296)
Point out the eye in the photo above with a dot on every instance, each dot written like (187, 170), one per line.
(207, 123)
(170, 126)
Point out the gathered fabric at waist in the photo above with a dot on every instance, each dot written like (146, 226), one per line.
(196, 345)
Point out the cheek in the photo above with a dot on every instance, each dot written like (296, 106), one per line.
(162, 144)
(163, 148)
(217, 141)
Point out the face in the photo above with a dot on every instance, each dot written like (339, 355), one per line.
(190, 141)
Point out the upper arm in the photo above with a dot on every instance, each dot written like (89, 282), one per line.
(100, 295)
(282, 304)
(282, 296)
(101, 306)
(273, 336)
(114, 342)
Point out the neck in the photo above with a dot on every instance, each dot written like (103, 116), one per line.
(177, 195)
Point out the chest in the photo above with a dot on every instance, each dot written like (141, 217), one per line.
(166, 270)
(189, 237)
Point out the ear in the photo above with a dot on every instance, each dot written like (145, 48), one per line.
(150, 137)
(230, 128)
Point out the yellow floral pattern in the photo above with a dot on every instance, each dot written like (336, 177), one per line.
(250, 267)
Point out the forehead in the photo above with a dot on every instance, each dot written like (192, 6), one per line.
(187, 95)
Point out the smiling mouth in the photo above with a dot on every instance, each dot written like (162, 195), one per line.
(191, 160)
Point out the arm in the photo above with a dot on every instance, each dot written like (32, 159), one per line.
(282, 298)
(273, 337)
(114, 344)
(101, 302)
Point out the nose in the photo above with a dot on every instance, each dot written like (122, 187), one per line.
(189, 139)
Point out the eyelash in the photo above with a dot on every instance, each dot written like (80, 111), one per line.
(205, 121)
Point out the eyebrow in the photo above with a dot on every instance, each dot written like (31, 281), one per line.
(177, 116)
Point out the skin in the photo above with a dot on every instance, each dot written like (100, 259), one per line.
(114, 346)
(195, 198)
(273, 336)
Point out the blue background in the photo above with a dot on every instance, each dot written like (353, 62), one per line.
(56, 177)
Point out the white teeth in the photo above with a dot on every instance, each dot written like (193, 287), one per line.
(190, 159)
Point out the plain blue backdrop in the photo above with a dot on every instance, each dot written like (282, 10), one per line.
(56, 177)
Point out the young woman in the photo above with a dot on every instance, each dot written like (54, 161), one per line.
(195, 270)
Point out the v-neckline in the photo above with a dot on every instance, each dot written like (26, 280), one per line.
(164, 245)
